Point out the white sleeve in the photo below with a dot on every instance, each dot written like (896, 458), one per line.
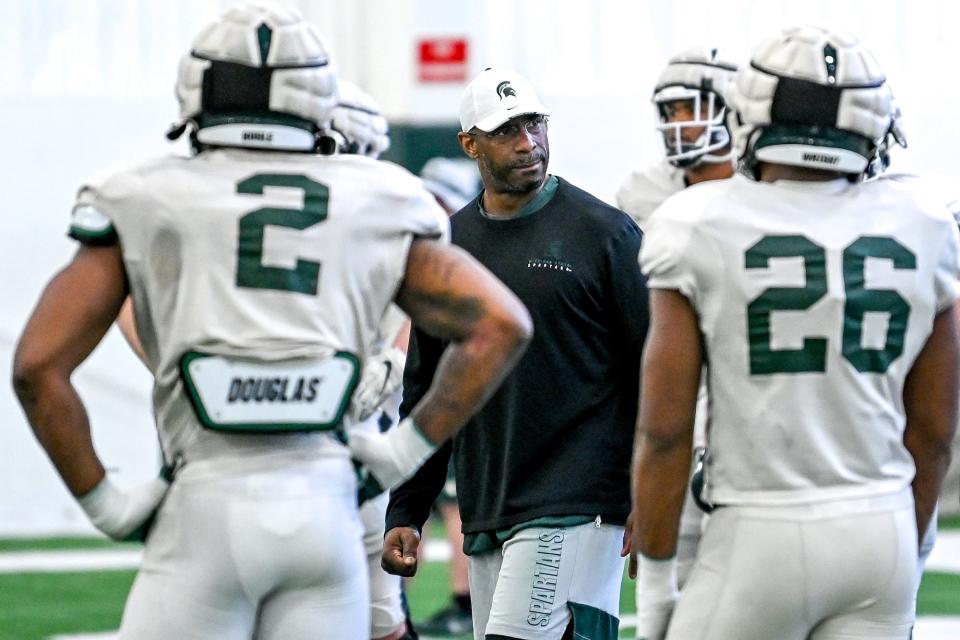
(665, 254)
(426, 218)
(89, 224)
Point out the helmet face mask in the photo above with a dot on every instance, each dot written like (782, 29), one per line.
(692, 124)
(815, 99)
(691, 107)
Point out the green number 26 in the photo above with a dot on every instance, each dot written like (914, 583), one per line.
(251, 272)
(812, 356)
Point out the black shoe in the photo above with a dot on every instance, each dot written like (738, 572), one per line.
(452, 621)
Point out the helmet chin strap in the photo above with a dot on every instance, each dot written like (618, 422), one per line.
(176, 130)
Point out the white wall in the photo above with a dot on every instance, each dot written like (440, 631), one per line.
(87, 84)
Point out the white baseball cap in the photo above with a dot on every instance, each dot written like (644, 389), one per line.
(495, 96)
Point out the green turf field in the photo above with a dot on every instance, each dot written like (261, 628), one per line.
(34, 606)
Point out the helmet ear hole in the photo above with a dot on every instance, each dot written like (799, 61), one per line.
(326, 145)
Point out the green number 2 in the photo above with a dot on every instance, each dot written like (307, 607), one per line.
(251, 272)
(812, 357)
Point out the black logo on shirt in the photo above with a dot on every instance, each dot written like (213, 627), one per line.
(553, 259)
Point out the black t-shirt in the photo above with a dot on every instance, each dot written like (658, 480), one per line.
(557, 437)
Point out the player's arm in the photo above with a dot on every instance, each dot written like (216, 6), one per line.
(670, 377)
(930, 398)
(664, 442)
(74, 312)
(450, 295)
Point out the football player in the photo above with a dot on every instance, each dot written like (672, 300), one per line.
(691, 101)
(823, 306)
(897, 137)
(259, 271)
(690, 97)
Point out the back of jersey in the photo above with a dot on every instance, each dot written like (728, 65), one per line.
(814, 300)
(261, 256)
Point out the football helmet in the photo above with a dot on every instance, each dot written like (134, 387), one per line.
(812, 98)
(258, 77)
(358, 125)
(895, 136)
(454, 182)
(699, 79)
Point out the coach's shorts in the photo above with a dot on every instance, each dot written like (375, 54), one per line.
(839, 570)
(544, 578)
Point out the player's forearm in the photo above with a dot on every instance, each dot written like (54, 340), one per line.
(931, 468)
(660, 473)
(451, 296)
(930, 399)
(60, 424)
(468, 374)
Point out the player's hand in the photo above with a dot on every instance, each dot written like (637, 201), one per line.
(123, 515)
(400, 547)
(653, 617)
(382, 376)
(391, 457)
(627, 548)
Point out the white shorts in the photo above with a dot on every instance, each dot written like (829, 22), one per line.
(839, 570)
(267, 554)
(544, 578)
(386, 606)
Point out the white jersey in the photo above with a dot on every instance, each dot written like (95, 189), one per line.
(814, 300)
(256, 255)
(645, 189)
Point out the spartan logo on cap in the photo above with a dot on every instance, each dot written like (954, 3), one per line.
(504, 89)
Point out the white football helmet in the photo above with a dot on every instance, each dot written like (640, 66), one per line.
(358, 125)
(894, 136)
(259, 77)
(701, 78)
(812, 98)
(454, 182)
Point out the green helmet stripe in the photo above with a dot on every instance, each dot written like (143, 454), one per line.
(264, 36)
